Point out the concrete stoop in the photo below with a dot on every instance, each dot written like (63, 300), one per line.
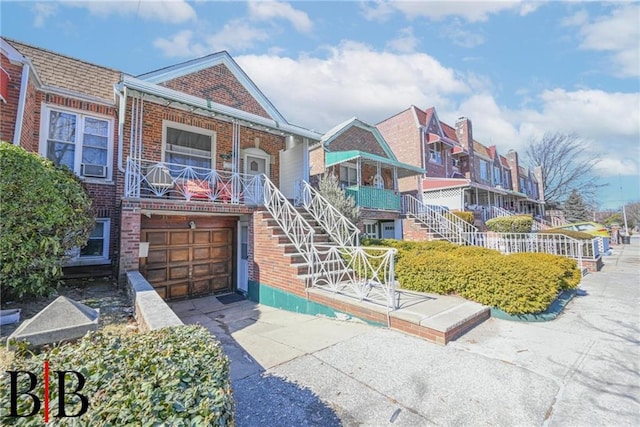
(436, 318)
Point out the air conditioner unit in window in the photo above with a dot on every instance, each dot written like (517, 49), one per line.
(95, 171)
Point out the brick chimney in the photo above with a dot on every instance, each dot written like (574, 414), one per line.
(512, 158)
(464, 133)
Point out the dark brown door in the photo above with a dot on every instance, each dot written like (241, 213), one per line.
(189, 263)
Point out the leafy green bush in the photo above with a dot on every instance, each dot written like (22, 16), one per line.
(44, 214)
(510, 224)
(466, 216)
(569, 233)
(519, 283)
(175, 376)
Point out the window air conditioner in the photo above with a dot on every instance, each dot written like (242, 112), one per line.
(95, 171)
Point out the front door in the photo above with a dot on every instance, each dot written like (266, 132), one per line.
(388, 230)
(256, 164)
(185, 263)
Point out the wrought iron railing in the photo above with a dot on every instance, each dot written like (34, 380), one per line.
(150, 179)
(340, 229)
(440, 221)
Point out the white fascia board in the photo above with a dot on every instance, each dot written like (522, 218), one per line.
(174, 95)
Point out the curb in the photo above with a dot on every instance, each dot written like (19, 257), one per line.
(550, 313)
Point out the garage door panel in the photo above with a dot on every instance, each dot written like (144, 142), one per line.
(157, 238)
(178, 272)
(183, 263)
(157, 256)
(179, 255)
(179, 237)
(179, 290)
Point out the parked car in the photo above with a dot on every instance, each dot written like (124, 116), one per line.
(592, 228)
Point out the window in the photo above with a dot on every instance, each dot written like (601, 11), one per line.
(371, 230)
(435, 152)
(483, 171)
(96, 250)
(81, 142)
(506, 180)
(188, 146)
(348, 175)
(523, 185)
(496, 176)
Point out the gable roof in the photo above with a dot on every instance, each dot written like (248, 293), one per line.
(57, 71)
(335, 133)
(176, 71)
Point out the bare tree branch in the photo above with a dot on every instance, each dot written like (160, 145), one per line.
(565, 167)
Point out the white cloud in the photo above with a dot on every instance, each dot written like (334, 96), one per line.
(457, 33)
(470, 10)
(171, 11)
(267, 10)
(235, 35)
(378, 10)
(353, 80)
(406, 42)
(42, 11)
(617, 33)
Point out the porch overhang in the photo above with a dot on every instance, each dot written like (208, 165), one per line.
(433, 138)
(404, 170)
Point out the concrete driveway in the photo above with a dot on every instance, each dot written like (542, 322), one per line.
(580, 369)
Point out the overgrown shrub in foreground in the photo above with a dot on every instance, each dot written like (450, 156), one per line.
(518, 283)
(44, 214)
(173, 376)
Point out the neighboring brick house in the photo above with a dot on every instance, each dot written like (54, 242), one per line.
(368, 171)
(173, 160)
(461, 173)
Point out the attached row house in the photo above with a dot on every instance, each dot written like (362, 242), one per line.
(460, 173)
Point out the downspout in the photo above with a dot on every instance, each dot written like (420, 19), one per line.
(22, 99)
(121, 115)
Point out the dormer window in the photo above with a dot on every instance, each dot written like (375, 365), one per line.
(435, 152)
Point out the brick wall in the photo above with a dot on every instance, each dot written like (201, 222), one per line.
(268, 265)
(129, 239)
(219, 85)
(356, 138)
(412, 231)
(403, 136)
(316, 160)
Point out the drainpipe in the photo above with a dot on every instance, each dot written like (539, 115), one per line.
(121, 116)
(17, 133)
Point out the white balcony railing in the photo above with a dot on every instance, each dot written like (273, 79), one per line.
(149, 179)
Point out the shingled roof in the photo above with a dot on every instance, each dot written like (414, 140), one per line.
(60, 71)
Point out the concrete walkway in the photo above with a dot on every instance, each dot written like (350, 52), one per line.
(582, 369)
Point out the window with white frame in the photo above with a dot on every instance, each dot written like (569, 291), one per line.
(348, 175)
(484, 173)
(435, 152)
(79, 141)
(523, 185)
(189, 146)
(371, 230)
(97, 247)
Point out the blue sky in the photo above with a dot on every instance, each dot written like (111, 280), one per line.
(516, 68)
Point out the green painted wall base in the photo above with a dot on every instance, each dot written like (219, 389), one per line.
(274, 297)
(551, 313)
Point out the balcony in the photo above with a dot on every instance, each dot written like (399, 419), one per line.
(146, 179)
(374, 198)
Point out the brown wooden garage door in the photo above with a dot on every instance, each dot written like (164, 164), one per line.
(188, 263)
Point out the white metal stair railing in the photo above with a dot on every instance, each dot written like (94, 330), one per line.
(364, 273)
(340, 229)
(450, 227)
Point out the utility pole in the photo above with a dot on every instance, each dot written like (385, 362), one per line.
(624, 213)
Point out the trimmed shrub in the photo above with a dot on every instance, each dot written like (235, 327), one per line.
(510, 224)
(175, 376)
(466, 216)
(569, 233)
(518, 284)
(44, 214)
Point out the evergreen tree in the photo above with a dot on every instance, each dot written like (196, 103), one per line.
(330, 189)
(575, 209)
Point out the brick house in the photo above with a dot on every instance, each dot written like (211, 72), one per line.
(461, 173)
(368, 171)
(173, 159)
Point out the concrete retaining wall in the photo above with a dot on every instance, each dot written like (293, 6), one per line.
(151, 310)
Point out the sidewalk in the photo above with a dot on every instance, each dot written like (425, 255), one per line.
(581, 369)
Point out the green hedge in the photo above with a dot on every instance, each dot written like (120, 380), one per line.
(517, 284)
(510, 224)
(466, 216)
(173, 376)
(569, 233)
